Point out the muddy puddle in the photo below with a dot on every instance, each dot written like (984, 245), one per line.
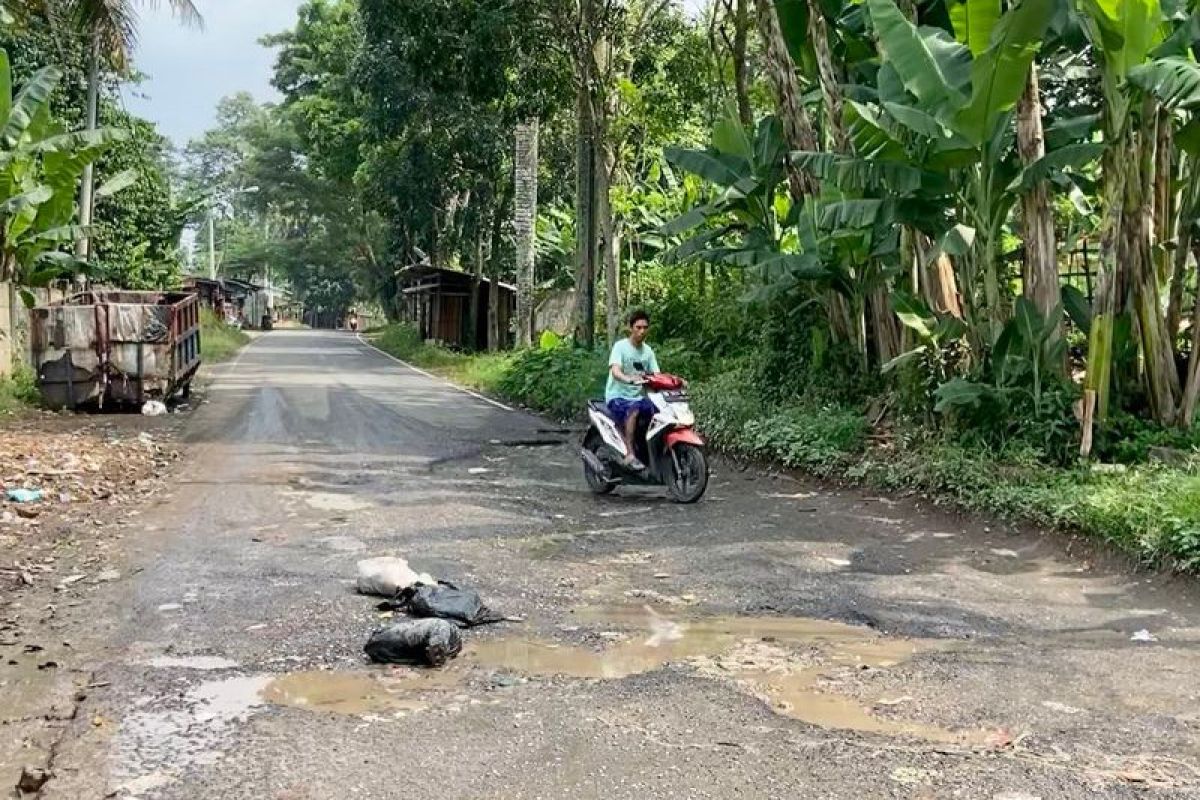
(801, 668)
(359, 693)
(644, 639)
(786, 662)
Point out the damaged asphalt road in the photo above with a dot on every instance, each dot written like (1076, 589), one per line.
(777, 640)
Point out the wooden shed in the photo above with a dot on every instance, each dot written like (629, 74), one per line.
(438, 302)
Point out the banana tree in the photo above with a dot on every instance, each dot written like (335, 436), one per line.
(40, 166)
(955, 99)
(1151, 84)
(744, 224)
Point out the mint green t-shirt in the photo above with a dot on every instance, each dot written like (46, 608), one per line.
(628, 356)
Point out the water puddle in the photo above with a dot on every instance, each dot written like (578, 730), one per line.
(658, 640)
(358, 693)
(785, 661)
(176, 738)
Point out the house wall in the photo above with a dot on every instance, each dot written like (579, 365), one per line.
(554, 313)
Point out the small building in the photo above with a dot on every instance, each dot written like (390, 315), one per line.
(438, 302)
(212, 293)
(231, 299)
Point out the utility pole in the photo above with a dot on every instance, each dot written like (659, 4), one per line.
(212, 247)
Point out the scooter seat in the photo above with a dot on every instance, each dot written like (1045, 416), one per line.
(600, 407)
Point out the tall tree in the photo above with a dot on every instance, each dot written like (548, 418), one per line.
(525, 218)
(111, 29)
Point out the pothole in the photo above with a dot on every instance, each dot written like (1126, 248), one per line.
(783, 661)
(332, 501)
(359, 693)
(343, 544)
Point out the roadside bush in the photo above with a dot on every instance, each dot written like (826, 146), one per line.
(557, 380)
(1127, 439)
(483, 372)
(725, 404)
(402, 341)
(405, 343)
(820, 440)
(19, 391)
(795, 360)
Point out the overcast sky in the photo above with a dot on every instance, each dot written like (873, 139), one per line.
(190, 70)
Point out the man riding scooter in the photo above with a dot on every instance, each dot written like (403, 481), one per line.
(640, 402)
(631, 360)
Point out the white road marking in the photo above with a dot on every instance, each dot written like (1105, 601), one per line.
(432, 377)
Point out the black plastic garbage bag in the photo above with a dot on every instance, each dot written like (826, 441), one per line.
(420, 641)
(461, 606)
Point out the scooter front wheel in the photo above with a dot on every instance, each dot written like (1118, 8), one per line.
(687, 478)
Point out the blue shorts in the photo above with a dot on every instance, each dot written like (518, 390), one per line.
(620, 408)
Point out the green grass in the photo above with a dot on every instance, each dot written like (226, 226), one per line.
(1149, 511)
(218, 341)
(482, 372)
(19, 391)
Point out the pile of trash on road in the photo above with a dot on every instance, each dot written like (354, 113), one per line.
(437, 611)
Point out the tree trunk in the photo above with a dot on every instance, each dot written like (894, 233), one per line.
(1137, 235)
(83, 247)
(495, 340)
(831, 85)
(1183, 246)
(741, 68)
(476, 282)
(1191, 393)
(1105, 303)
(525, 215)
(1178, 279)
(1127, 269)
(497, 336)
(797, 127)
(885, 326)
(585, 228)
(939, 286)
(1163, 194)
(1041, 260)
(609, 243)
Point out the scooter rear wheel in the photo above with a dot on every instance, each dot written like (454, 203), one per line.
(687, 477)
(598, 483)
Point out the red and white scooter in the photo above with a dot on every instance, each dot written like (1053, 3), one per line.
(667, 444)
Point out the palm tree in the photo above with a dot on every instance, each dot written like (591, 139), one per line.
(111, 26)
